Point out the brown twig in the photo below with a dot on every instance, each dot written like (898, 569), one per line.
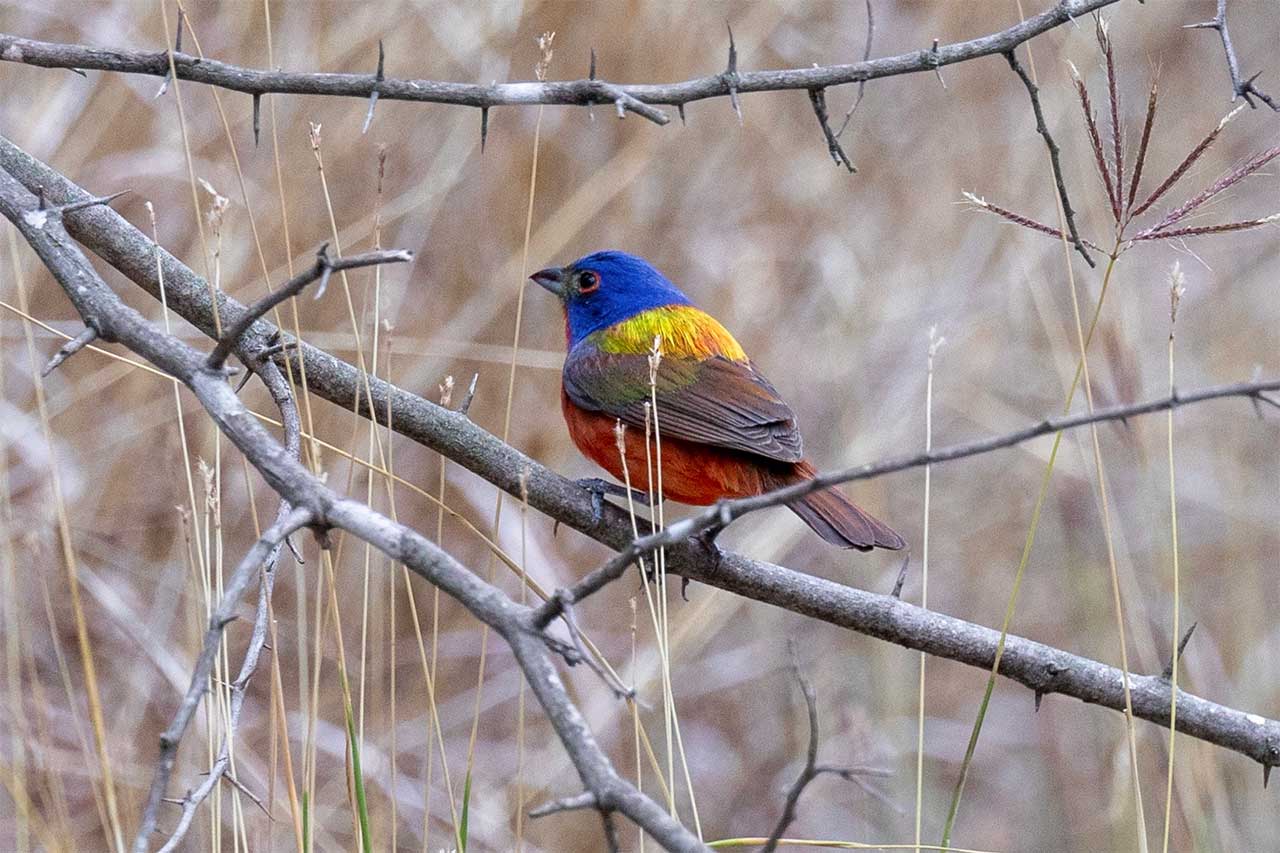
(319, 271)
(1055, 160)
(818, 98)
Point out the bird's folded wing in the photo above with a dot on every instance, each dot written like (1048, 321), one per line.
(710, 401)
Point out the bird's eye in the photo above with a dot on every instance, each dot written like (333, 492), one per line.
(588, 282)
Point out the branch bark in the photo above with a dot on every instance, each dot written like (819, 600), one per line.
(1041, 668)
(316, 505)
(633, 97)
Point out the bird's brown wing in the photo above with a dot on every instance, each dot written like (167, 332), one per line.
(712, 401)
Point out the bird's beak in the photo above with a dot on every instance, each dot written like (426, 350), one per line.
(552, 279)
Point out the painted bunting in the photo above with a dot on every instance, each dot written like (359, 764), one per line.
(724, 431)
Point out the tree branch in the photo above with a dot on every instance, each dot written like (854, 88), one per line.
(635, 98)
(1039, 667)
(1240, 88)
(317, 505)
(1055, 161)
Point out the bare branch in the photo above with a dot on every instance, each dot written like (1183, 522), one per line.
(70, 348)
(724, 512)
(1055, 160)
(818, 98)
(1034, 665)
(318, 506)
(1240, 88)
(585, 92)
(320, 270)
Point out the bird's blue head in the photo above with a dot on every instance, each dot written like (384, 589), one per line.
(606, 288)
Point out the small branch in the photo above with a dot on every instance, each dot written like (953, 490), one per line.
(722, 513)
(731, 83)
(320, 270)
(585, 800)
(70, 348)
(862, 84)
(1240, 88)
(812, 770)
(818, 98)
(1055, 160)
(263, 550)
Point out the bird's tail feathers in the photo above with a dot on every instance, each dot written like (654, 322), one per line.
(838, 520)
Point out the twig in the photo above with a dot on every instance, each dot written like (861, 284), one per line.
(818, 98)
(1240, 88)
(726, 511)
(811, 770)
(262, 551)
(584, 92)
(1054, 156)
(70, 348)
(862, 84)
(585, 800)
(320, 270)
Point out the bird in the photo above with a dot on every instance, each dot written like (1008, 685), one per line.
(722, 429)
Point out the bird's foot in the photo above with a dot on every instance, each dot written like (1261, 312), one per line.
(707, 539)
(599, 488)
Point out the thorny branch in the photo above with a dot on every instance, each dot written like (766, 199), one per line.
(1240, 87)
(721, 514)
(316, 505)
(282, 396)
(1041, 668)
(638, 98)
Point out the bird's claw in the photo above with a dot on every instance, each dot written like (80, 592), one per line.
(707, 539)
(599, 488)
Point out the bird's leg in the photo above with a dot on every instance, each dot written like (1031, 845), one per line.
(599, 488)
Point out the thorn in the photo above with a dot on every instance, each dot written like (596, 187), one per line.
(1266, 774)
(731, 74)
(1039, 698)
(78, 71)
(257, 117)
(373, 96)
(902, 577)
(937, 63)
(177, 48)
(591, 73)
(680, 109)
(44, 205)
(91, 202)
(465, 405)
(484, 127)
(684, 588)
(555, 528)
(1182, 646)
(293, 549)
(248, 374)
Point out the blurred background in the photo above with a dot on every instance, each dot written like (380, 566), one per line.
(831, 281)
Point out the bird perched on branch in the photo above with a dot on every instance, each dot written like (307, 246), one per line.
(723, 430)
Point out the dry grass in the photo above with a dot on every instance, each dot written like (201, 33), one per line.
(830, 281)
